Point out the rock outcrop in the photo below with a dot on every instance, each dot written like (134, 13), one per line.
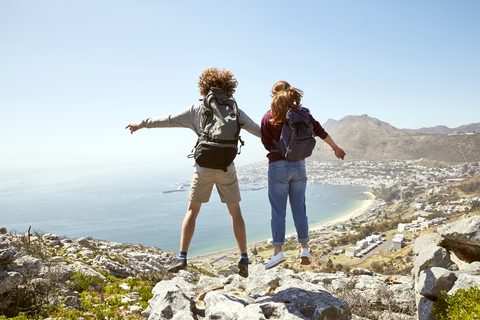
(434, 269)
(278, 293)
(28, 262)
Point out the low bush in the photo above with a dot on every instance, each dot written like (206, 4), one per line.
(462, 305)
(82, 282)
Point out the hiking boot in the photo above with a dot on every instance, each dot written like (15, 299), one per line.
(275, 260)
(180, 264)
(243, 266)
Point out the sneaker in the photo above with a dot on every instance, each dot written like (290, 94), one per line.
(243, 266)
(305, 256)
(180, 264)
(275, 260)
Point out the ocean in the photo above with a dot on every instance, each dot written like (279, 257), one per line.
(130, 206)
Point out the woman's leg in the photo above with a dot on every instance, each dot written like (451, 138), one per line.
(298, 185)
(277, 195)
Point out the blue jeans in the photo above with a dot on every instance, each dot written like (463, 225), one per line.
(287, 179)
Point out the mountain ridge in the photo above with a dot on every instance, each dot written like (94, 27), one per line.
(367, 138)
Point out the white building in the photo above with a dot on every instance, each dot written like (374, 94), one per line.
(350, 252)
(426, 224)
(398, 241)
(361, 243)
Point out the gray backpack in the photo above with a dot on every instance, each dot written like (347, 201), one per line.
(219, 131)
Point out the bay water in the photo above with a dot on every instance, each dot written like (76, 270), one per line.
(128, 205)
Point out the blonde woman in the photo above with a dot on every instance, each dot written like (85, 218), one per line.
(287, 180)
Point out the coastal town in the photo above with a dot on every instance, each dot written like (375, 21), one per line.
(374, 174)
(402, 189)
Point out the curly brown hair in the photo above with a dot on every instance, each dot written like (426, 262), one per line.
(285, 97)
(215, 77)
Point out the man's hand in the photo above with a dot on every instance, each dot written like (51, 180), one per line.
(133, 127)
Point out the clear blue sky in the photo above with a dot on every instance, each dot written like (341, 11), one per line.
(73, 74)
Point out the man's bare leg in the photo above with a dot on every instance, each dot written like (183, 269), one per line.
(188, 226)
(238, 226)
(188, 229)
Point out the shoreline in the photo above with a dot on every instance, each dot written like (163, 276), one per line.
(229, 253)
(363, 208)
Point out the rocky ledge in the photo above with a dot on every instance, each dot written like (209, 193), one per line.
(446, 260)
(28, 262)
(282, 294)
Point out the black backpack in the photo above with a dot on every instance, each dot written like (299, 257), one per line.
(218, 138)
(297, 139)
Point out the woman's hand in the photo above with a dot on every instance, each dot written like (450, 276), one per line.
(339, 153)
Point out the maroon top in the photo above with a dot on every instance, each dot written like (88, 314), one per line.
(272, 132)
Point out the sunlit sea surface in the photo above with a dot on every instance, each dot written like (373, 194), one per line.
(130, 206)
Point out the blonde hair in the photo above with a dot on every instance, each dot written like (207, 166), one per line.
(285, 97)
(215, 77)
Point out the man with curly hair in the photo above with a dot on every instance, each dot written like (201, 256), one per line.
(204, 178)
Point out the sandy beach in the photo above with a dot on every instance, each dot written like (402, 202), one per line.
(363, 208)
(227, 256)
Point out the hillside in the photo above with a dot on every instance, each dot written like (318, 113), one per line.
(473, 127)
(367, 138)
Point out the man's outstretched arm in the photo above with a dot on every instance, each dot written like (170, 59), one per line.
(249, 125)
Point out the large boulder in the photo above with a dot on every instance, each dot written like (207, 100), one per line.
(465, 281)
(425, 307)
(222, 305)
(472, 269)
(463, 238)
(434, 280)
(434, 270)
(429, 253)
(169, 302)
(306, 304)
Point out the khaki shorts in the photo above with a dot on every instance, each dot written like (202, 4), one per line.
(202, 185)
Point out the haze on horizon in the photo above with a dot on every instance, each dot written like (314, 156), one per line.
(74, 74)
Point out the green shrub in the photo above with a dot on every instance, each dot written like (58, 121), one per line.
(146, 294)
(133, 283)
(462, 305)
(82, 282)
(114, 301)
(151, 279)
(21, 316)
